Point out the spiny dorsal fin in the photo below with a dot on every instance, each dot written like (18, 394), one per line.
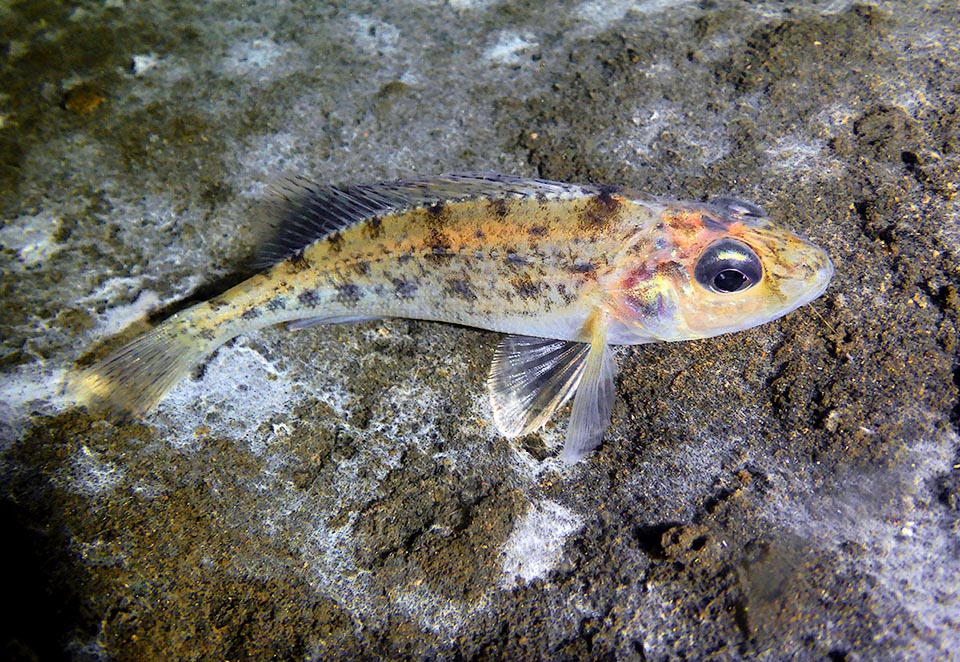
(307, 212)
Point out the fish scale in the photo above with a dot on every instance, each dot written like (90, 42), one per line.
(461, 265)
(565, 270)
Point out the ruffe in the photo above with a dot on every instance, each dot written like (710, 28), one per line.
(565, 270)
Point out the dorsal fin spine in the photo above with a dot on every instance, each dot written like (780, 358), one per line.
(309, 212)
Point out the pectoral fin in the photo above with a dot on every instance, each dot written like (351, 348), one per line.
(530, 378)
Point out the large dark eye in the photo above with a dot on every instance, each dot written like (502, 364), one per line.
(728, 266)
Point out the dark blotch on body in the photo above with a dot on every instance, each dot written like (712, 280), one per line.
(436, 213)
(538, 230)
(601, 209)
(373, 227)
(582, 267)
(565, 294)
(276, 303)
(309, 298)
(297, 262)
(250, 314)
(525, 287)
(499, 208)
(349, 293)
(405, 289)
(439, 244)
(515, 260)
(335, 241)
(460, 287)
(217, 302)
(361, 267)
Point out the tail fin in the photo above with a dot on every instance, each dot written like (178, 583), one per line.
(131, 380)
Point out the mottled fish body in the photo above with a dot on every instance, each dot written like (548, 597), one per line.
(565, 270)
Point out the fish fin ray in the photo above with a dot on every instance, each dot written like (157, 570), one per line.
(530, 378)
(131, 380)
(593, 402)
(303, 212)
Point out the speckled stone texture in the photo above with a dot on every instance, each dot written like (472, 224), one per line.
(788, 492)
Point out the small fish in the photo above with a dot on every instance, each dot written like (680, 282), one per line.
(564, 270)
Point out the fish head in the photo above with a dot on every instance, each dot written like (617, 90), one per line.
(715, 268)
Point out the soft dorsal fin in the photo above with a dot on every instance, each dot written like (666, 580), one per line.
(306, 212)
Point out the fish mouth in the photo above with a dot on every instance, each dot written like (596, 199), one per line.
(815, 287)
(823, 276)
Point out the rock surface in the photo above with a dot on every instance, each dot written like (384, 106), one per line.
(789, 492)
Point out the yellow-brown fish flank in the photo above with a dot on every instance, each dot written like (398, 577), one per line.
(565, 270)
(471, 248)
(601, 210)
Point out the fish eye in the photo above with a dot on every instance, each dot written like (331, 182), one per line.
(729, 280)
(728, 266)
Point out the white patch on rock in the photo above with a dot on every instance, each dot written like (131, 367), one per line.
(92, 476)
(470, 5)
(373, 36)
(602, 14)
(909, 551)
(807, 157)
(536, 542)
(24, 390)
(118, 318)
(239, 391)
(262, 59)
(31, 237)
(437, 613)
(510, 47)
(141, 64)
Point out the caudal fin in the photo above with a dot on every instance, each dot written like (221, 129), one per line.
(131, 380)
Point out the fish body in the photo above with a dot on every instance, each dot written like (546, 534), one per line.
(565, 270)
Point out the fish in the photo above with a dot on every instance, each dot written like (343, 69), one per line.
(565, 271)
